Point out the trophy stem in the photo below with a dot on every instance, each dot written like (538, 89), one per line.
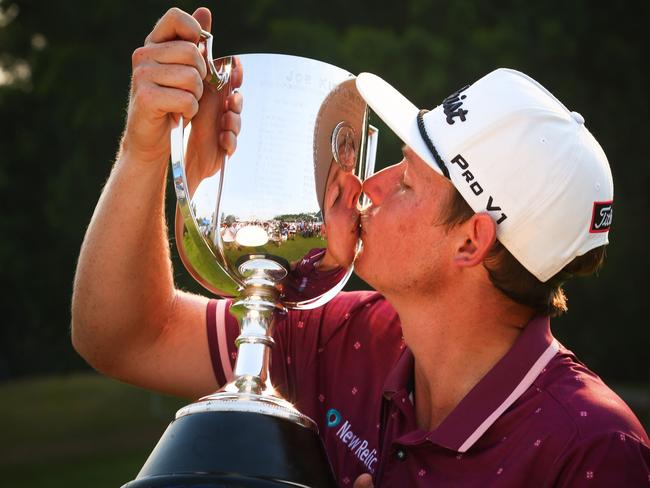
(251, 390)
(254, 343)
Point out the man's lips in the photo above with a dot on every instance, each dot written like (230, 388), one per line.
(356, 225)
(364, 218)
(366, 211)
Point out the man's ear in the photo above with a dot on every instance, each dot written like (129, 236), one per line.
(479, 234)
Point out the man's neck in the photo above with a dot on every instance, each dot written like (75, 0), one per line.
(455, 342)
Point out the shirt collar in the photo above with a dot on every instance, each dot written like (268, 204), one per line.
(491, 396)
(401, 376)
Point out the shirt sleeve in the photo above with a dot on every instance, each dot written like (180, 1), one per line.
(614, 459)
(222, 330)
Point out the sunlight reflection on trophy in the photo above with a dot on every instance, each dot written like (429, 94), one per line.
(276, 227)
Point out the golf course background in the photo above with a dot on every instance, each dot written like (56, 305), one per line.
(79, 430)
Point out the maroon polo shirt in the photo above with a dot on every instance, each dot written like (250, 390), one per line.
(306, 282)
(539, 418)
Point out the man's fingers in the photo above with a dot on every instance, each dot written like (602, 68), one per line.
(178, 102)
(160, 101)
(228, 142)
(231, 121)
(175, 24)
(235, 102)
(237, 73)
(178, 76)
(363, 481)
(203, 17)
(172, 52)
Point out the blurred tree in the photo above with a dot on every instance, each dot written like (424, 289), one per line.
(64, 78)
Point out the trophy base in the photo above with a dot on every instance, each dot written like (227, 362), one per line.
(236, 449)
(265, 404)
(206, 481)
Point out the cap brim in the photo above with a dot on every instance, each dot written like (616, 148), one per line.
(397, 112)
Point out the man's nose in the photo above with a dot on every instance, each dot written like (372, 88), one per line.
(351, 190)
(378, 185)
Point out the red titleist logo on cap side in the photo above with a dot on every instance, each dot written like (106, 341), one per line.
(601, 218)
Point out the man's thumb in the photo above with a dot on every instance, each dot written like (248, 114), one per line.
(204, 17)
(363, 481)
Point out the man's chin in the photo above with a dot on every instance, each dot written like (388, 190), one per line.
(360, 263)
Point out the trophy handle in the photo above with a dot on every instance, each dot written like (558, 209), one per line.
(218, 77)
(210, 269)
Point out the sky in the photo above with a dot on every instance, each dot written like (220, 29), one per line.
(272, 170)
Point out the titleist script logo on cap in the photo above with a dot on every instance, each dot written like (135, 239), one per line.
(601, 218)
(452, 106)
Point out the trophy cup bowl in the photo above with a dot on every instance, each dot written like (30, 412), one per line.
(244, 229)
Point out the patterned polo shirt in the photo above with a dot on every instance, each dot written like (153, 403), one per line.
(539, 418)
(305, 281)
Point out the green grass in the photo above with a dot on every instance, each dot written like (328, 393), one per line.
(291, 249)
(78, 430)
(205, 264)
(85, 430)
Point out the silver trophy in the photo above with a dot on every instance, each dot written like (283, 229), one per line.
(245, 226)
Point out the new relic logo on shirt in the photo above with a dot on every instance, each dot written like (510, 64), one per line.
(357, 445)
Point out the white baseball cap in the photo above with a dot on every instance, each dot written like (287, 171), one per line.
(515, 151)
